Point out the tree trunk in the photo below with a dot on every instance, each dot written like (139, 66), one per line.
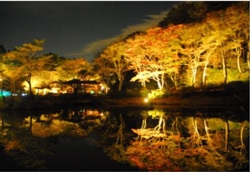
(224, 67)
(204, 76)
(238, 52)
(226, 136)
(159, 84)
(29, 83)
(174, 79)
(143, 83)
(120, 83)
(13, 86)
(162, 80)
(194, 71)
(30, 89)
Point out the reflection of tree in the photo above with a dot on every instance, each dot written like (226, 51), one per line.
(117, 151)
(226, 136)
(25, 149)
(158, 132)
(110, 124)
(195, 138)
(203, 149)
(242, 148)
(49, 125)
(152, 152)
(26, 142)
(120, 137)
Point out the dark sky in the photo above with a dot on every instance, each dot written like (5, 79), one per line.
(75, 28)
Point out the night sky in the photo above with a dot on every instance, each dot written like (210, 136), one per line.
(76, 28)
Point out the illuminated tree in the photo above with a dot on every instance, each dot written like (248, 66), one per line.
(238, 22)
(191, 40)
(53, 62)
(134, 57)
(103, 68)
(49, 74)
(71, 68)
(154, 55)
(25, 55)
(87, 74)
(230, 35)
(12, 71)
(112, 60)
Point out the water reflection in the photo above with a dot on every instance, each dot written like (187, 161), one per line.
(185, 143)
(152, 139)
(29, 141)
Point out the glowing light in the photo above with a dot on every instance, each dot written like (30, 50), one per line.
(54, 90)
(146, 100)
(5, 93)
(64, 92)
(102, 87)
(24, 94)
(35, 83)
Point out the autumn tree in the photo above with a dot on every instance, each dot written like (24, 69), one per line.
(12, 71)
(103, 68)
(238, 22)
(26, 56)
(198, 43)
(135, 56)
(154, 55)
(112, 60)
(53, 62)
(87, 74)
(42, 75)
(71, 68)
(230, 35)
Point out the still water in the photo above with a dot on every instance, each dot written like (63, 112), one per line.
(83, 138)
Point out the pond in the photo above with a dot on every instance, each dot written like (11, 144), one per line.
(123, 139)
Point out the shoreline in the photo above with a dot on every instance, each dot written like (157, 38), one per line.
(196, 101)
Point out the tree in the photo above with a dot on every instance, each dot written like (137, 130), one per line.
(54, 61)
(25, 54)
(103, 68)
(198, 43)
(154, 55)
(71, 68)
(135, 56)
(41, 76)
(113, 61)
(230, 35)
(192, 12)
(12, 71)
(238, 19)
